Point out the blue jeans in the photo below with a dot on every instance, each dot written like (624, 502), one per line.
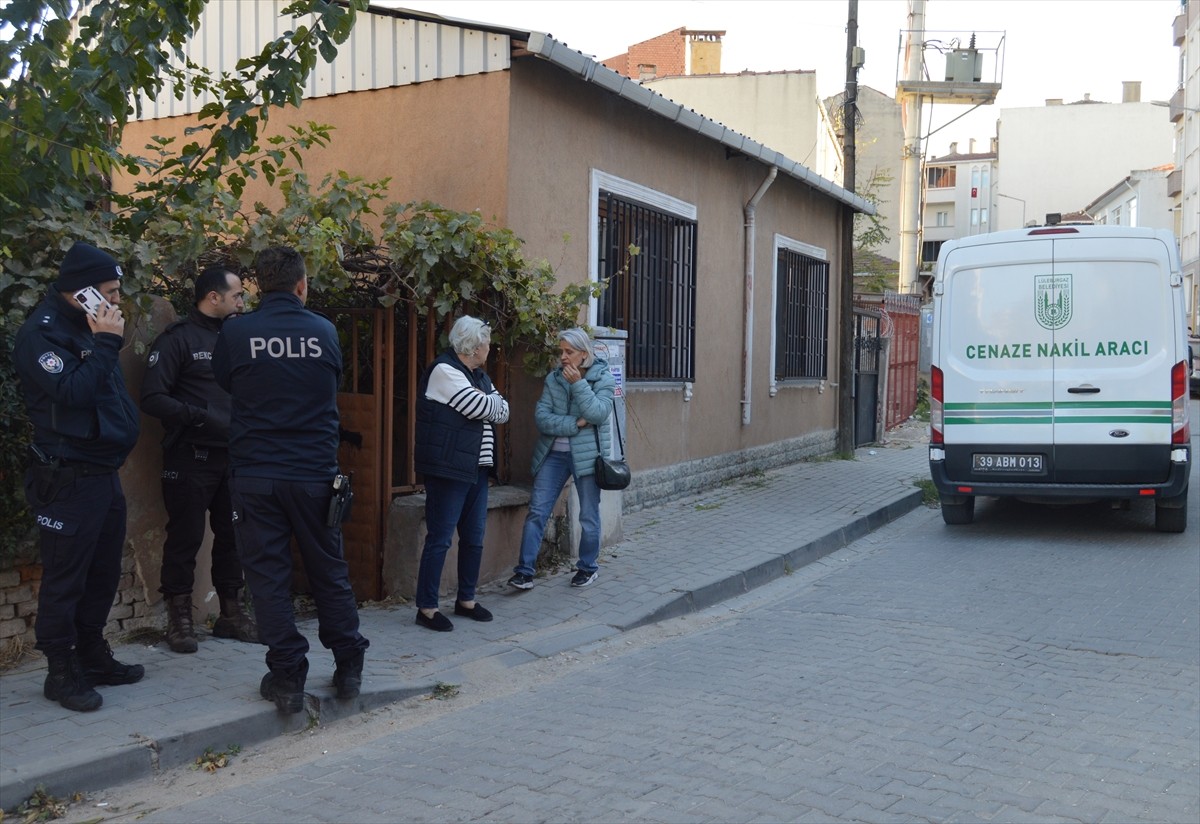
(449, 505)
(547, 485)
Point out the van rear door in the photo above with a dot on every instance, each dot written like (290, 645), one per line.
(1108, 303)
(998, 389)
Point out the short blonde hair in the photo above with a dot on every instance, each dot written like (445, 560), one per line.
(468, 334)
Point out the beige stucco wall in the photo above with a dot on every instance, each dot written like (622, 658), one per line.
(442, 141)
(560, 131)
(778, 109)
(520, 146)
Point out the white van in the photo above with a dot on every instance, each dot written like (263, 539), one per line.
(1060, 369)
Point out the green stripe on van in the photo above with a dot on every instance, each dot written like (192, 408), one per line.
(1064, 412)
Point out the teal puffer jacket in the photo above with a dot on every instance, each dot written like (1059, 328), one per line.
(562, 404)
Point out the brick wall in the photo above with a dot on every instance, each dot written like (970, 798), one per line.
(18, 604)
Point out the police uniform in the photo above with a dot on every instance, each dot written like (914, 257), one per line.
(84, 426)
(282, 364)
(179, 389)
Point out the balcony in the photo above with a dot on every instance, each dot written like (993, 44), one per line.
(1176, 105)
(1174, 183)
(1180, 28)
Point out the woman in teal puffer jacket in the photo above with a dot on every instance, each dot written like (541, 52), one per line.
(575, 406)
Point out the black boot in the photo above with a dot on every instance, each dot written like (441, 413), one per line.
(181, 634)
(233, 621)
(347, 677)
(65, 683)
(286, 689)
(100, 667)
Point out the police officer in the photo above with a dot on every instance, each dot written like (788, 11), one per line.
(282, 364)
(84, 426)
(180, 390)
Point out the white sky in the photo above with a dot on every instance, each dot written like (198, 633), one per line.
(1053, 48)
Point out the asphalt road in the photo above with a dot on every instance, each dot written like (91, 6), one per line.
(1042, 664)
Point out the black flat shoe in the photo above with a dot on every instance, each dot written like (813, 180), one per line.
(476, 613)
(438, 623)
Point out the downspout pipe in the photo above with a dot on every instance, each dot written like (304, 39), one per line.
(748, 293)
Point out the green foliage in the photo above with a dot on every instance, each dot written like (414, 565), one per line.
(71, 86)
(451, 262)
(870, 233)
(183, 207)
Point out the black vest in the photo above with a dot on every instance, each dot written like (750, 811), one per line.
(448, 443)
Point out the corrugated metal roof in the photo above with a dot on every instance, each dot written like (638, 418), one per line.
(397, 47)
(385, 48)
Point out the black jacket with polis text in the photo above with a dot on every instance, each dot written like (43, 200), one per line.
(179, 388)
(73, 386)
(282, 364)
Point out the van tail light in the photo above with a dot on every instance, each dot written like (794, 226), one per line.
(936, 390)
(1180, 429)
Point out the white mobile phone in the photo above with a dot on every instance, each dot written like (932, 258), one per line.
(90, 300)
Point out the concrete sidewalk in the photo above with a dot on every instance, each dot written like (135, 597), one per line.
(676, 558)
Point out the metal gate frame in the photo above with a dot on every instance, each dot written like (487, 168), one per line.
(868, 326)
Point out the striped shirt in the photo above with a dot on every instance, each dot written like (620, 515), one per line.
(450, 386)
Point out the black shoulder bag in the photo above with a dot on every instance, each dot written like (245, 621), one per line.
(610, 474)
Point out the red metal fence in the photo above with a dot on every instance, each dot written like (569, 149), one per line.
(902, 314)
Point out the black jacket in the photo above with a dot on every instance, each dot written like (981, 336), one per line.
(73, 386)
(179, 388)
(282, 364)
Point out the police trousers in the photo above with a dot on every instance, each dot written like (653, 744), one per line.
(195, 483)
(267, 513)
(82, 536)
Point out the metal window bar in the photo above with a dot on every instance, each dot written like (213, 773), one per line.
(801, 317)
(652, 295)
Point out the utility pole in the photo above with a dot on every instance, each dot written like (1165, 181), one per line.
(854, 60)
(910, 163)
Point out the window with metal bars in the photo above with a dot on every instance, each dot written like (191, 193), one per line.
(801, 316)
(652, 294)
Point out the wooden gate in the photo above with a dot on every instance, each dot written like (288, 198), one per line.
(364, 453)
(384, 352)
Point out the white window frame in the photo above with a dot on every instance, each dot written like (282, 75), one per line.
(799, 247)
(643, 194)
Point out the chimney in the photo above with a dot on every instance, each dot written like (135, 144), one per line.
(1053, 101)
(1087, 97)
(995, 143)
(954, 147)
(971, 144)
(705, 51)
(1131, 91)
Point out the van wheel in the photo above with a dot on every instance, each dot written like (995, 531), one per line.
(1171, 518)
(958, 511)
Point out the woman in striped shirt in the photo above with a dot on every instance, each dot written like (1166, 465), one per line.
(457, 409)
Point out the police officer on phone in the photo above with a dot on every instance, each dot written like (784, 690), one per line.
(282, 364)
(179, 389)
(84, 426)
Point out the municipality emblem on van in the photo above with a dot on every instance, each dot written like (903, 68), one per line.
(1052, 300)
